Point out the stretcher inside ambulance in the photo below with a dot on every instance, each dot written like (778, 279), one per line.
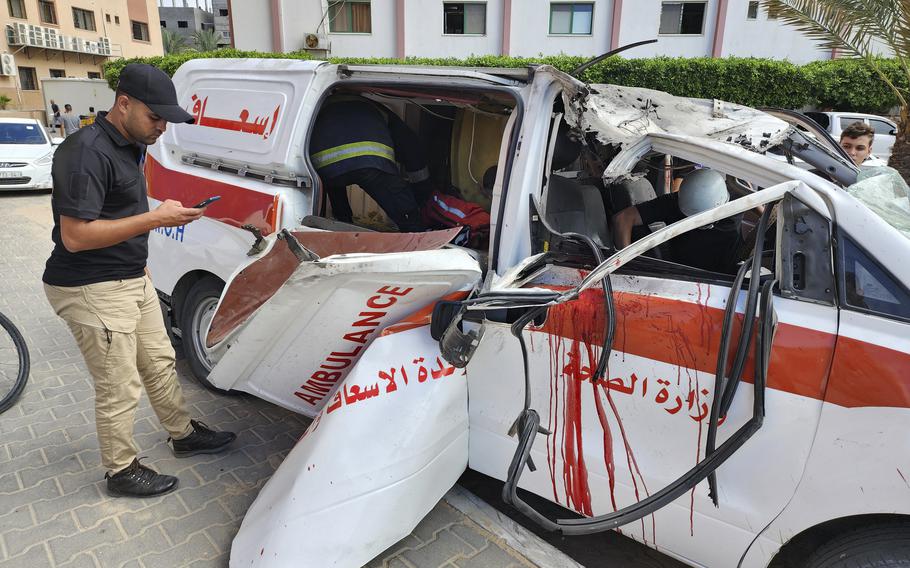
(624, 377)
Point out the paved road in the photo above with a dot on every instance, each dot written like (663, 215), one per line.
(55, 512)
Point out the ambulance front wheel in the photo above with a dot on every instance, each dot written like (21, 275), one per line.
(195, 317)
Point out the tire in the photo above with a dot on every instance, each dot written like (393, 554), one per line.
(195, 316)
(876, 546)
(14, 364)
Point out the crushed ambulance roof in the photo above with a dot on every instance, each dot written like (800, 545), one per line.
(621, 115)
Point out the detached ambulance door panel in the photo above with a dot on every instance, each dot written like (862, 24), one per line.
(617, 442)
(369, 467)
(290, 331)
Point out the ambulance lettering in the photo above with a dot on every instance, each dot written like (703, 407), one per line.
(175, 233)
(260, 125)
(335, 366)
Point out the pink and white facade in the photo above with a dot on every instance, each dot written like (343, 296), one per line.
(416, 28)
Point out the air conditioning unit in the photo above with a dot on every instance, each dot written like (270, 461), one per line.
(20, 33)
(104, 46)
(36, 36)
(51, 38)
(77, 44)
(315, 42)
(91, 47)
(7, 64)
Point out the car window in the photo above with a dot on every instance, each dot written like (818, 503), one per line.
(846, 121)
(881, 127)
(821, 118)
(20, 133)
(867, 286)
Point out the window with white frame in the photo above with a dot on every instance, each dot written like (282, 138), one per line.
(752, 11)
(464, 18)
(571, 18)
(682, 18)
(140, 31)
(350, 17)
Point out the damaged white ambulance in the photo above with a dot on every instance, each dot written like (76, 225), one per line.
(622, 385)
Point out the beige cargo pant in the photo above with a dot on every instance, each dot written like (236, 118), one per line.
(120, 330)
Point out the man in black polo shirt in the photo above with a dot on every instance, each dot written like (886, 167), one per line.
(711, 248)
(96, 277)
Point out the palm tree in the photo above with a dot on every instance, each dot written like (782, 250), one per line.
(207, 40)
(173, 42)
(854, 27)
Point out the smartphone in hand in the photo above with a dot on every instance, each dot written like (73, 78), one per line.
(206, 202)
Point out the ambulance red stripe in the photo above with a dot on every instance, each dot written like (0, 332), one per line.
(238, 206)
(688, 335)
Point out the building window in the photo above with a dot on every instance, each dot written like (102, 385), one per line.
(117, 20)
(47, 11)
(94, 75)
(108, 18)
(349, 17)
(682, 18)
(163, 24)
(571, 19)
(16, 8)
(28, 79)
(84, 19)
(464, 18)
(752, 13)
(57, 73)
(222, 12)
(140, 31)
(183, 24)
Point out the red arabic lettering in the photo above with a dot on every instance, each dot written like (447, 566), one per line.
(263, 126)
(352, 394)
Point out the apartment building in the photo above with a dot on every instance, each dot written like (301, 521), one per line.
(69, 38)
(185, 20)
(221, 13)
(439, 28)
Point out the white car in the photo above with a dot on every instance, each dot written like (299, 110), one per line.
(836, 122)
(26, 154)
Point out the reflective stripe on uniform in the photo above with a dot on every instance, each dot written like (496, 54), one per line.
(336, 154)
(420, 175)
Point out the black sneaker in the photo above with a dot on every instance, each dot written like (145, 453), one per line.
(202, 440)
(137, 480)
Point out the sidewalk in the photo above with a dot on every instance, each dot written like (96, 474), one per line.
(56, 513)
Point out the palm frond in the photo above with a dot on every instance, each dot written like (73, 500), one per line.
(856, 27)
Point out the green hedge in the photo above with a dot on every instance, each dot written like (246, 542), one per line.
(841, 84)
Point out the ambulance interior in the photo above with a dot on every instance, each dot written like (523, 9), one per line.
(577, 199)
(462, 134)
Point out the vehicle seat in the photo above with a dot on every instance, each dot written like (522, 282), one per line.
(572, 207)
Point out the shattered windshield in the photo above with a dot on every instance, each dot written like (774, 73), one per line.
(884, 191)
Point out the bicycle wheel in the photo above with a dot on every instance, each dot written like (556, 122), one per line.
(14, 364)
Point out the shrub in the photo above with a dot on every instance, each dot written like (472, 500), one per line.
(842, 84)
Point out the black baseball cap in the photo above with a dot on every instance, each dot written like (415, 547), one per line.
(153, 87)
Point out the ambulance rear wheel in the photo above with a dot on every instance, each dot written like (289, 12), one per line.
(876, 546)
(195, 317)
